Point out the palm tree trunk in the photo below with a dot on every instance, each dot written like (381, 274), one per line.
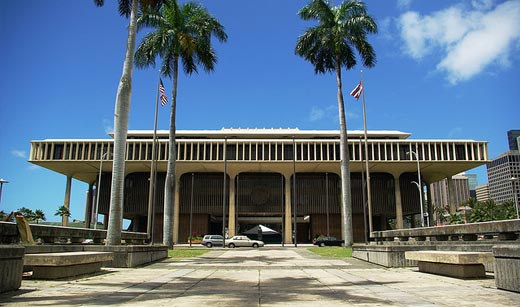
(121, 115)
(169, 186)
(346, 201)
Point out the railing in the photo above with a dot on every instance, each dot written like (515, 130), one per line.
(262, 150)
(502, 230)
(58, 234)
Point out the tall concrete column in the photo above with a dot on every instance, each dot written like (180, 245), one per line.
(429, 204)
(398, 204)
(89, 206)
(452, 199)
(176, 207)
(66, 202)
(231, 213)
(288, 212)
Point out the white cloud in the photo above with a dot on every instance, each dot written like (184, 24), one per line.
(482, 4)
(457, 131)
(108, 126)
(404, 4)
(19, 153)
(33, 167)
(385, 28)
(469, 40)
(318, 113)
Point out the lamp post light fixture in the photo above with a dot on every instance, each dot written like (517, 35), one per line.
(98, 190)
(513, 179)
(2, 181)
(419, 184)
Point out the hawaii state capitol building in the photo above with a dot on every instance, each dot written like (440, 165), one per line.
(286, 179)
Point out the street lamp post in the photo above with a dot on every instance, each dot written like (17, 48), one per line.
(513, 179)
(420, 192)
(2, 181)
(419, 185)
(98, 190)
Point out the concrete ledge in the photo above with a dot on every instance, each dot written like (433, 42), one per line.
(67, 258)
(125, 256)
(67, 264)
(391, 256)
(51, 234)
(451, 263)
(11, 267)
(450, 257)
(507, 267)
(453, 270)
(504, 230)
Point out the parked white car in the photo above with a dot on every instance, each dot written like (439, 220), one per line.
(243, 241)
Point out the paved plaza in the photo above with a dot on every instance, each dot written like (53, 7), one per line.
(261, 277)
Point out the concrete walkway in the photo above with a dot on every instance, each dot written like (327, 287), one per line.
(261, 277)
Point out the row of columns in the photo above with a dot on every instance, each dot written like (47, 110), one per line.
(288, 218)
(288, 225)
(232, 223)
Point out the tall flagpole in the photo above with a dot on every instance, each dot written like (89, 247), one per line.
(369, 196)
(363, 185)
(153, 169)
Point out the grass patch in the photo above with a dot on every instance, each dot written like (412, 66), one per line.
(186, 253)
(332, 251)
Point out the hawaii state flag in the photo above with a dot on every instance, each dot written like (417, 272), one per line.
(357, 91)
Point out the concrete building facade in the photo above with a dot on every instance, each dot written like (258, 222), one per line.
(287, 179)
(482, 192)
(441, 192)
(503, 175)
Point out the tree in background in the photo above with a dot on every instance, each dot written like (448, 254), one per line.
(490, 211)
(39, 216)
(129, 9)
(329, 47)
(63, 211)
(27, 213)
(180, 33)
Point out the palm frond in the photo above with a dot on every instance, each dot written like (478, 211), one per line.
(336, 38)
(185, 33)
(317, 10)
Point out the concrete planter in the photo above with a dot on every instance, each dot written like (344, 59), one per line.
(11, 267)
(507, 267)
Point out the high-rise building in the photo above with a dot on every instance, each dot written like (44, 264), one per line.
(482, 192)
(512, 137)
(441, 193)
(472, 182)
(503, 173)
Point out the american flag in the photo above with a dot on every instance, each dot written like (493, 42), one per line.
(164, 99)
(357, 91)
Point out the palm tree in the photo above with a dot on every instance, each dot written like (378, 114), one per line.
(39, 215)
(181, 33)
(329, 46)
(127, 8)
(64, 212)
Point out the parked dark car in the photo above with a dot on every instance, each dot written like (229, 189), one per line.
(328, 241)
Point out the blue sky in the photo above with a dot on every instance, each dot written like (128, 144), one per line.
(445, 70)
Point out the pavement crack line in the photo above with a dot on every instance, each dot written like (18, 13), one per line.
(153, 284)
(335, 293)
(259, 287)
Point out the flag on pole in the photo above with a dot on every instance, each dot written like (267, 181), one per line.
(357, 91)
(164, 99)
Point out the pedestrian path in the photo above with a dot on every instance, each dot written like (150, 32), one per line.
(261, 277)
